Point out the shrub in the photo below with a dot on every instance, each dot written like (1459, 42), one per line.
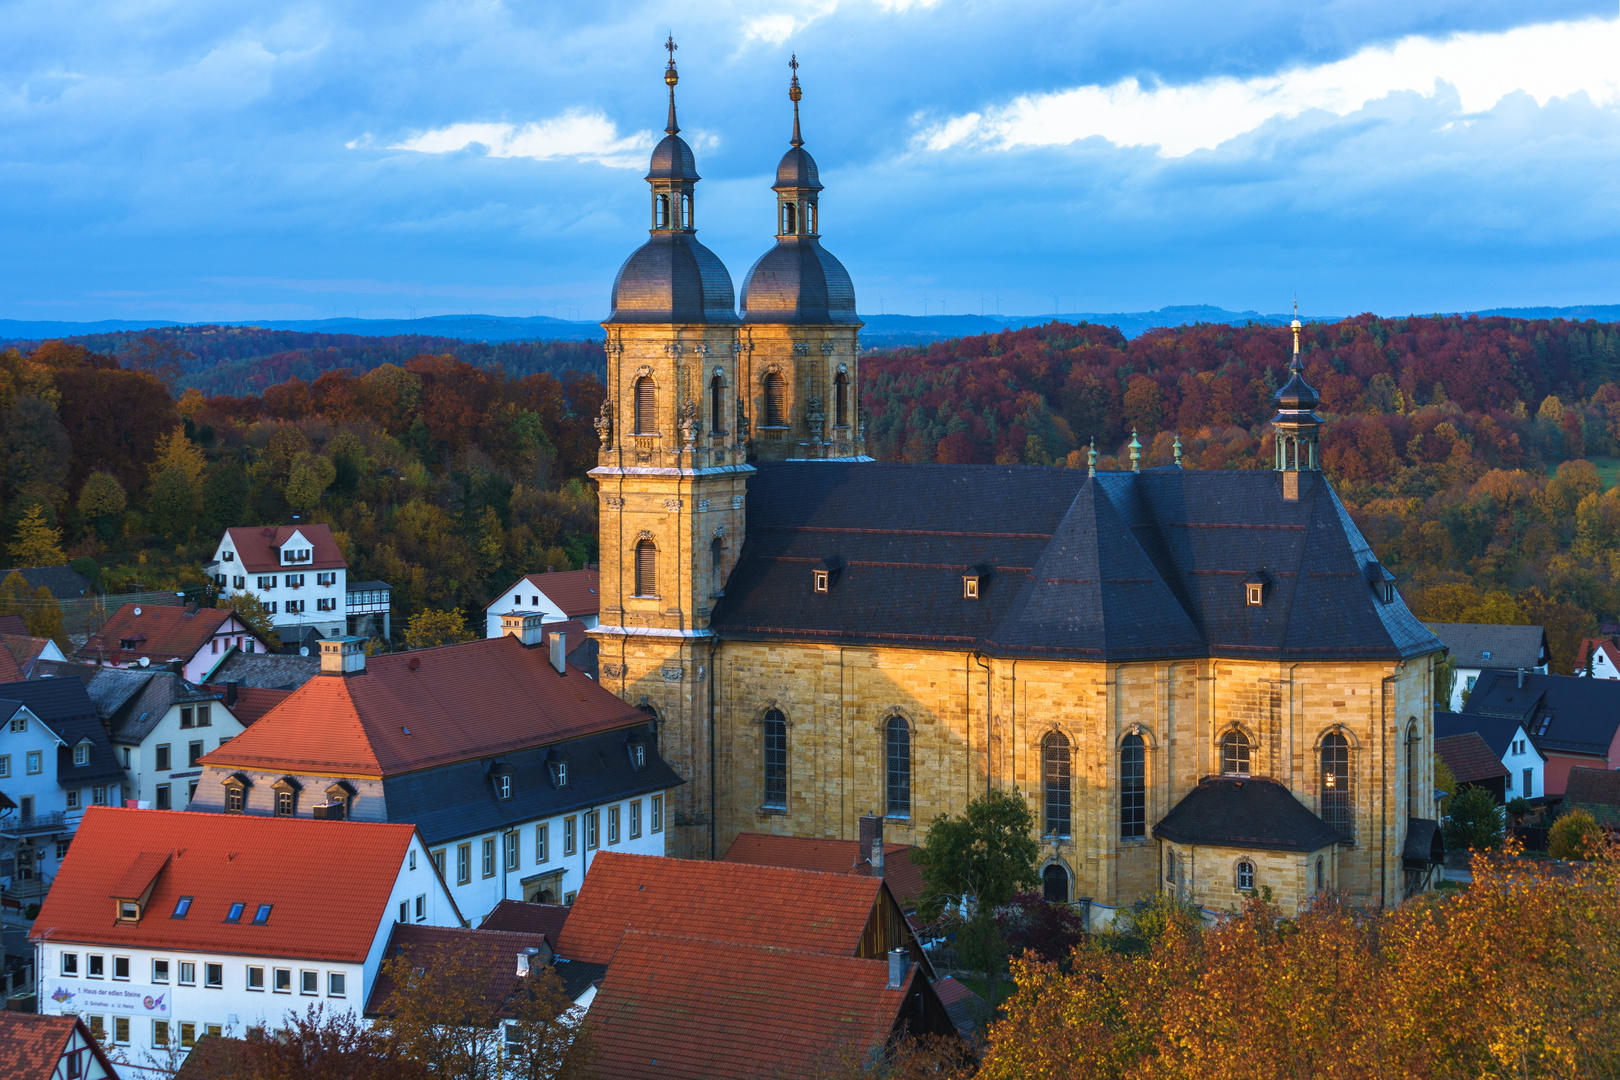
(1574, 836)
(1475, 821)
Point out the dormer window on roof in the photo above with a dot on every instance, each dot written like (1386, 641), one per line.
(1382, 582)
(1255, 588)
(825, 573)
(974, 580)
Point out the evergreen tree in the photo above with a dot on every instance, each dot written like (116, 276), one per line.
(36, 543)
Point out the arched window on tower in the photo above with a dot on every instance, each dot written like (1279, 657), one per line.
(686, 211)
(810, 218)
(646, 406)
(661, 212)
(646, 568)
(1055, 762)
(716, 570)
(775, 401)
(841, 400)
(1132, 788)
(776, 762)
(897, 761)
(1234, 754)
(1336, 783)
(717, 404)
(790, 219)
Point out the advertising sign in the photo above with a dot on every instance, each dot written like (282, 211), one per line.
(81, 996)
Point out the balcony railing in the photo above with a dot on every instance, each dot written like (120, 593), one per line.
(16, 825)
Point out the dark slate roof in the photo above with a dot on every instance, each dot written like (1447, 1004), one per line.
(1487, 645)
(64, 582)
(673, 279)
(1253, 813)
(136, 719)
(672, 160)
(459, 800)
(268, 671)
(1559, 712)
(1425, 845)
(113, 688)
(367, 586)
(1498, 732)
(1123, 566)
(799, 281)
(797, 169)
(64, 707)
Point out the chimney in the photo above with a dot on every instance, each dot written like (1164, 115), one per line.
(525, 959)
(877, 855)
(344, 655)
(523, 626)
(899, 961)
(559, 651)
(230, 689)
(1521, 678)
(871, 833)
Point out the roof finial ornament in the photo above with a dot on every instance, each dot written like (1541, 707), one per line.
(1296, 365)
(1136, 453)
(795, 93)
(1091, 469)
(671, 77)
(1177, 449)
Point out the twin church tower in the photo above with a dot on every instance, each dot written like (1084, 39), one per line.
(693, 394)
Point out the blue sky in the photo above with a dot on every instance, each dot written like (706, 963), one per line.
(243, 160)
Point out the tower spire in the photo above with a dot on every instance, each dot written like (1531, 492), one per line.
(670, 79)
(1296, 365)
(795, 93)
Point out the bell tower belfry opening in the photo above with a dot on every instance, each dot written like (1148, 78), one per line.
(672, 477)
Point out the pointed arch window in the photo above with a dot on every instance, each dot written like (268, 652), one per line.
(1055, 762)
(775, 401)
(776, 761)
(717, 405)
(1336, 783)
(646, 406)
(841, 400)
(897, 760)
(1055, 884)
(646, 568)
(1132, 788)
(1234, 754)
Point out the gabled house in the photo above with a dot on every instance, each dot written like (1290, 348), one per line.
(297, 572)
(1571, 721)
(1472, 764)
(195, 639)
(1509, 742)
(267, 671)
(1602, 653)
(164, 926)
(1479, 647)
(34, 1047)
(802, 910)
(28, 651)
(765, 1010)
(517, 767)
(162, 730)
(569, 594)
(55, 761)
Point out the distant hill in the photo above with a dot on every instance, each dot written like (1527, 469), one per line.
(459, 327)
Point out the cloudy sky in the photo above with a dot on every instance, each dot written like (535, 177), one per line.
(239, 160)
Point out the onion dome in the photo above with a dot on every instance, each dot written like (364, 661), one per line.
(672, 278)
(1297, 400)
(797, 169)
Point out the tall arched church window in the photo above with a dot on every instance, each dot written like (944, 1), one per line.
(646, 568)
(1413, 744)
(1055, 762)
(776, 760)
(841, 399)
(775, 401)
(646, 406)
(1055, 884)
(790, 219)
(716, 549)
(1321, 876)
(1245, 874)
(897, 762)
(717, 404)
(1235, 754)
(1132, 788)
(1336, 783)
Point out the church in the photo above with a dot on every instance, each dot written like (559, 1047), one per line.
(1203, 682)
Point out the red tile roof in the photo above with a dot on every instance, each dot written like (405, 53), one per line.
(140, 875)
(257, 548)
(9, 671)
(577, 592)
(252, 702)
(12, 624)
(493, 953)
(158, 632)
(547, 919)
(1602, 645)
(415, 710)
(829, 856)
(950, 991)
(1469, 758)
(682, 1007)
(1600, 787)
(222, 859)
(31, 1046)
(796, 909)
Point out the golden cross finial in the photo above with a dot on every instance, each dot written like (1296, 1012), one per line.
(793, 62)
(669, 44)
(795, 94)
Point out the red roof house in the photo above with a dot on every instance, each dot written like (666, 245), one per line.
(200, 638)
(1472, 763)
(569, 594)
(258, 548)
(830, 857)
(34, 1047)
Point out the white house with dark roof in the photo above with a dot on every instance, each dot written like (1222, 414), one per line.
(555, 597)
(161, 727)
(296, 571)
(1477, 647)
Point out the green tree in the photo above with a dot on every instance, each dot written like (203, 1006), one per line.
(975, 863)
(311, 474)
(1445, 681)
(37, 543)
(252, 611)
(37, 449)
(225, 497)
(1574, 836)
(428, 629)
(102, 503)
(1474, 821)
(1444, 781)
(174, 505)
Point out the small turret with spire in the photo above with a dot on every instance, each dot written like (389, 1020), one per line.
(1296, 425)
